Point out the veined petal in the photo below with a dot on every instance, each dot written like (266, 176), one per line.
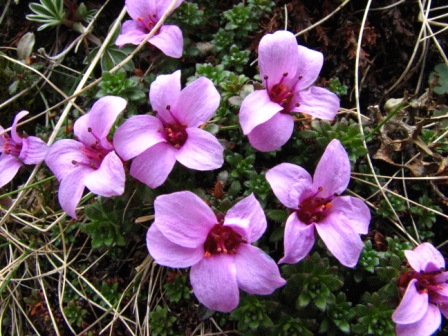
(272, 134)
(256, 272)
(99, 119)
(413, 305)
(341, 239)
(256, 109)
(298, 240)
(333, 170)
(426, 326)
(247, 219)
(184, 218)
(278, 54)
(162, 6)
(308, 68)
(316, 101)
(141, 8)
(214, 283)
(202, 151)
(108, 180)
(170, 254)
(136, 135)
(196, 103)
(71, 189)
(163, 93)
(131, 33)
(14, 134)
(169, 40)
(9, 165)
(153, 166)
(60, 157)
(353, 212)
(289, 182)
(426, 258)
(33, 150)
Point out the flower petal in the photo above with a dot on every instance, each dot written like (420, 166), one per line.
(170, 254)
(340, 238)
(256, 109)
(316, 101)
(247, 219)
(108, 180)
(71, 189)
(164, 92)
(60, 157)
(196, 103)
(298, 241)
(202, 151)
(256, 272)
(162, 6)
(136, 135)
(141, 8)
(131, 33)
(153, 166)
(272, 134)
(289, 182)
(9, 166)
(413, 305)
(99, 120)
(333, 170)
(308, 68)
(214, 283)
(33, 150)
(183, 218)
(426, 326)
(278, 54)
(169, 40)
(353, 212)
(426, 258)
(14, 134)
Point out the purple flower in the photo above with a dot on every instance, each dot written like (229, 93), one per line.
(287, 71)
(426, 293)
(187, 233)
(145, 14)
(316, 205)
(157, 142)
(91, 161)
(17, 150)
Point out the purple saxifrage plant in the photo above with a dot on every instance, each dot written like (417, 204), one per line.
(187, 233)
(287, 71)
(156, 143)
(90, 161)
(145, 14)
(17, 150)
(425, 293)
(316, 206)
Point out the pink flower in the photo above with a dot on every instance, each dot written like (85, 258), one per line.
(426, 293)
(287, 70)
(17, 150)
(157, 143)
(316, 206)
(187, 233)
(91, 161)
(145, 14)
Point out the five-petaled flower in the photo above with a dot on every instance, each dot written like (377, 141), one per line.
(156, 143)
(145, 14)
(91, 161)
(218, 248)
(425, 293)
(287, 70)
(316, 205)
(17, 150)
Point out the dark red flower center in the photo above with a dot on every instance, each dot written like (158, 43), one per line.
(313, 209)
(93, 154)
(222, 239)
(176, 134)
(281, 93)
(427, 282)
(10, 147)
(147, 22)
